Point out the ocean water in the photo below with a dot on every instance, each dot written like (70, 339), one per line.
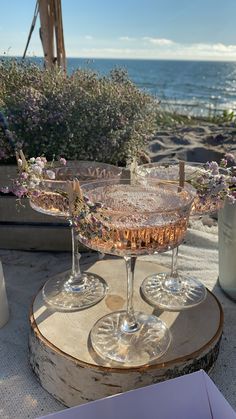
(189, 87)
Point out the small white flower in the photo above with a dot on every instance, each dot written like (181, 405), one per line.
(37, 169)
(32, 160)
(50, 174)
(32, 185)
(35, 179)
(40, 161)
(19, 161)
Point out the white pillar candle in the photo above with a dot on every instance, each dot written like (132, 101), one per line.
(4, 310)
(227, 249)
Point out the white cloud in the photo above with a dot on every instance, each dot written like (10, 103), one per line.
(205, 51)
(173, 50)
(126, 38)
(146, 47)
(159, 41)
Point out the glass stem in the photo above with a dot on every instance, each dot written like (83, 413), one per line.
(75, 269)
(101, 255)
(174, 283)
(174, 262)
(130, 324)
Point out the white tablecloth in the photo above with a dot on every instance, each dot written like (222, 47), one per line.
(21, 396)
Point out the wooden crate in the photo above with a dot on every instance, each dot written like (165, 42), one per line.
(23, 228)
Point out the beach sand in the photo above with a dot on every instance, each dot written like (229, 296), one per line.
(198, 142)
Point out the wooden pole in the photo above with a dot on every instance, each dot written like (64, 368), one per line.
(51, 30)
(61, 56)
(46, 32)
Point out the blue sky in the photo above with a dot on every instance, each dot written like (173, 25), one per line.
(155, 29)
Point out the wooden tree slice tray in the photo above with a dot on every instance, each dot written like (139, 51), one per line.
(66, 366)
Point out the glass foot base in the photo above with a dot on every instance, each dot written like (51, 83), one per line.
(140, 347)
(174, 294)
(67, 293)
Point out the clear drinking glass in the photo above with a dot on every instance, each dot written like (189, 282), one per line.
(129, 220)
(74, 290)
(175, 291)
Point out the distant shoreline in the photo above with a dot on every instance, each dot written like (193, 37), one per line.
(124, 59)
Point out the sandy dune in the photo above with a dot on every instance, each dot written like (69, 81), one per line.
(199, 143)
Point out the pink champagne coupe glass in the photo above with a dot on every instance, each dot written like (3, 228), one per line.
(132, 219)
(74, 290)
(176, 291)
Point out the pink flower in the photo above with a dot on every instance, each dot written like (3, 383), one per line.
(62, 161)
(24, 175)
(19, 192)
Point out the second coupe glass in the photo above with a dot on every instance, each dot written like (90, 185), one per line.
(74, 290)
(176, 291)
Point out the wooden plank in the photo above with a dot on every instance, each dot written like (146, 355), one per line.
(69, 369)
(59, 35)
(46, 31)
(14, 210)
(7, 174)
(36, 238)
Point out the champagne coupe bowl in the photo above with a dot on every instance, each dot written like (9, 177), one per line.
(132, 219)
(76, 290)
(175, 291)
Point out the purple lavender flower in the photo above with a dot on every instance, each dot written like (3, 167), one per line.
(20, 191)
(213, 167)
(24, 176)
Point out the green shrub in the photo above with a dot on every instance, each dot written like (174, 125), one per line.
(84, 116)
